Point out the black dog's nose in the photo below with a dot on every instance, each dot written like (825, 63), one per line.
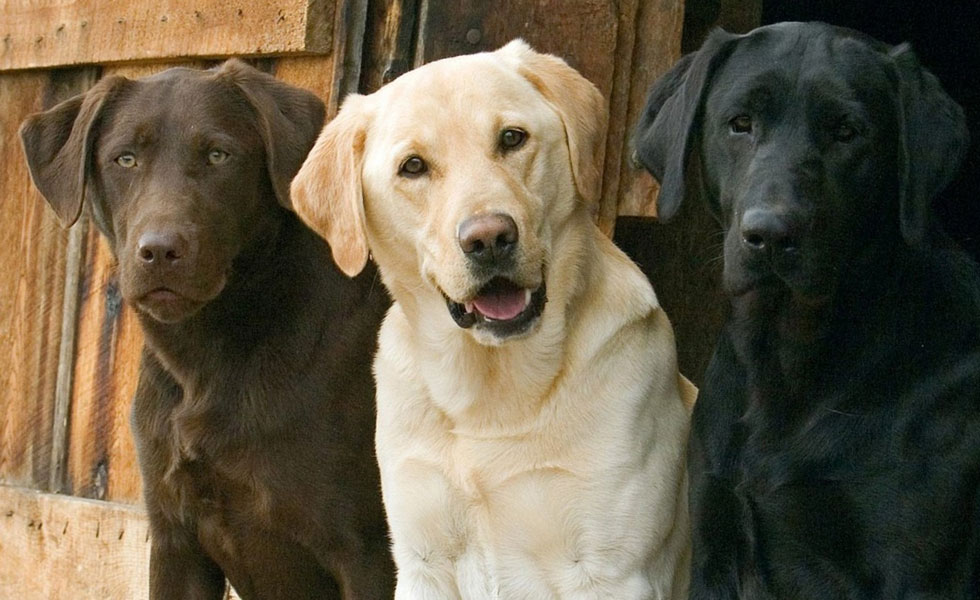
(161, 247)
(764, 230)
(488, 237)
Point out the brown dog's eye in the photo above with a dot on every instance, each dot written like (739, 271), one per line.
(512, 139)
(126, 161)
(216, 157)
(413, 167)
(741, 124)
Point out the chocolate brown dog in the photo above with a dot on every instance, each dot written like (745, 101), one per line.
(254, 414)
(835, 449)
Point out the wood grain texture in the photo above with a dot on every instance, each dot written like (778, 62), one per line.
(656, 47)
(33, 254)
(44, 34)
(314, 73)
(388, 45)
(102, 458)
(58, 548)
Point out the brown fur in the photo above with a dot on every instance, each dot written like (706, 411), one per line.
(254, 411)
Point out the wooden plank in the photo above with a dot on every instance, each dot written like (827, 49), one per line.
(618, 106)
(315, 73)
(32, 289)
(66, 355)
(71, 32)
(583, 32)
(102, 458)
(56, 547)
(388, 48)
(657, 48)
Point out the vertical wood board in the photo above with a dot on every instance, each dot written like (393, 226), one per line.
(33, 254)
(102, 458)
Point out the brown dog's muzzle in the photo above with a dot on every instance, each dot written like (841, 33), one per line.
(163, 249)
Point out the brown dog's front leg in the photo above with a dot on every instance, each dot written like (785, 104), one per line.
(180, 570)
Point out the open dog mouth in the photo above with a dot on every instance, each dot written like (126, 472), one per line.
(501, 305)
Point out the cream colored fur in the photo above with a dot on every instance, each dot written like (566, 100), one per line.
(547, 465)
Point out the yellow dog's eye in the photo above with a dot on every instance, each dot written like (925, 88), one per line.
(216, 157)
(413, 167)
(126, 160)
(512, 139)
(741, 124)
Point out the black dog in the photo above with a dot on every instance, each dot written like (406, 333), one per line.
(254, 413)
(835, 450)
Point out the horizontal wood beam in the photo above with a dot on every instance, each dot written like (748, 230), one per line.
(55, 546)
(72, 32)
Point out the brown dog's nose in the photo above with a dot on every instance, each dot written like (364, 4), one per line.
(161, 248)
(766, 230)
(488, 237)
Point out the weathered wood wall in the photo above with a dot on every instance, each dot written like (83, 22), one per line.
(69, 347)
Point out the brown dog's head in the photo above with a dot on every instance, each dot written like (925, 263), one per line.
(181, 170)
(459, 176)
(814, 145)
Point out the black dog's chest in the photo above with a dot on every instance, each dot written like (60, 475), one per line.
(809, 516)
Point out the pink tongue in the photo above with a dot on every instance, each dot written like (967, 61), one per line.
(502, 306)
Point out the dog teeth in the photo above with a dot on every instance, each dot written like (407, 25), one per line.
(468, 307)
(527, 297)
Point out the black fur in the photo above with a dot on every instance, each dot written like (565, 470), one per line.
(835, 449)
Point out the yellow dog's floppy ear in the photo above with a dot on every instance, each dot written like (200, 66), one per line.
(579, 104)
(327, 193)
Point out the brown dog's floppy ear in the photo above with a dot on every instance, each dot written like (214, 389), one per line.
(58, 146)
(579, 104)
(289, 120)
(933, 143)
(669, 124)
(327, 193)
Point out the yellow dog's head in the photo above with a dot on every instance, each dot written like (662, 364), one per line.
(458, 177)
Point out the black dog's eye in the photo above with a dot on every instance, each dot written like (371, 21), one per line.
(844, 132)
(126, 160)
(216, 157)
(413, 166)
(741, 124)
(512, 139)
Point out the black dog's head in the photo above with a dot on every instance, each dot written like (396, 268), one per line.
(810, 143)
(182, 171)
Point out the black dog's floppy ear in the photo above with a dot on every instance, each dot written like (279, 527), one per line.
(290, 118)
(665, 133)
(58, 146)
(933, 143)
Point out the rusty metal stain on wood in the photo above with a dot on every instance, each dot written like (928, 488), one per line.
(34, 35)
